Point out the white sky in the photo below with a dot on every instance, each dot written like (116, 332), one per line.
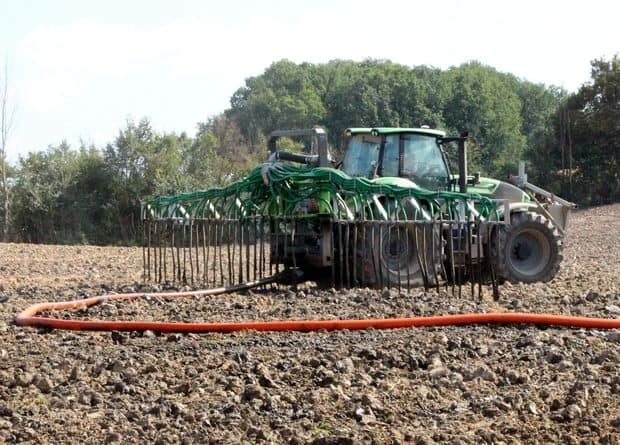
(79, 69)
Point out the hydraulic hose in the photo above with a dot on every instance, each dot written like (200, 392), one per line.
(29, 317)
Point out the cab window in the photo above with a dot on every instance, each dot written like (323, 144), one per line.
(362, 156)
(423, 163)
(390, 156)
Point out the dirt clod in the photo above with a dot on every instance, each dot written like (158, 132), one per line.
(467, 385)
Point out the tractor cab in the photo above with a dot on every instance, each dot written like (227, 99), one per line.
(411, 153)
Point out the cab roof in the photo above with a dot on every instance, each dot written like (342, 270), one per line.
(395, 130)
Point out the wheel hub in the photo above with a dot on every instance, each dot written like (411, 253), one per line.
(529, 253)
(396, 253)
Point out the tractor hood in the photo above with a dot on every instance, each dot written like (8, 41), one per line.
(489, 187)
(496, 189)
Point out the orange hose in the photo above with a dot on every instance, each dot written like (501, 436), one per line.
(29, 317)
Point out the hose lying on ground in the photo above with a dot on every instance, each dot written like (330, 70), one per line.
(29, 317)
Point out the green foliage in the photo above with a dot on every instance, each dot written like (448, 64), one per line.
(485, 103)
(93, 196)
(580, 156)
(495, 108)
(284, 97)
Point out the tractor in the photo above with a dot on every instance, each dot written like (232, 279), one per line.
(527, 247)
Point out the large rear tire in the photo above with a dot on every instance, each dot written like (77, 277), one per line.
(530, 249)
(391, 255)
(404, 256)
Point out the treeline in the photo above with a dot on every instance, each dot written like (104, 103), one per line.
(91, 194)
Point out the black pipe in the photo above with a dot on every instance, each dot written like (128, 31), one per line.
(463, 163)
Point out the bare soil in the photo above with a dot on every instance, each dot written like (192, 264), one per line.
(478, 384)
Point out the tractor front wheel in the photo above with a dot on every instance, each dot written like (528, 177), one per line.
(530, 249)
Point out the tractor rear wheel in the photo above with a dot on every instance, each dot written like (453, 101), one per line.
(400, 252)
(530, 249)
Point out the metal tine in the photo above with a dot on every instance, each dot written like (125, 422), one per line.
(441, 252)
(236, 243)
(293, 243)
(434, 252)
(425, 274)
(152, 251)
(273, 233)
(191, 246)
(151, 229)
(479, 253)
(246, 231)
(197, 252)
(451, 249)
(396, 218)
(265, 242)
(163, 233)
(227, 240)
(145, 246)
(261, 251)
(245, 247)
(217, 260)
(156, 251)
(205, 252)
(256, 228)
(410, 223)
(470, 261)
(460, 250)
(389, 211)
(270, 243)
(179, 243)
(374, 227)
(282, 259)
(151, 235)
(354, 258)
(241, 239)
(417, 251)
(210, 241)
(342, 252)
(174, 267)
(426, 227)
(492, 259)
(400, 243)
(278, 253)
(163, 251)
(156, 248)
(347, 254)
(333, 251)
(231, 246)
(183, 248)
(225, 243)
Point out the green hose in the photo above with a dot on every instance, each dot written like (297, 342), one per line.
(283, 190)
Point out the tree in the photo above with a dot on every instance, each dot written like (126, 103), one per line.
(579, 157)
(7, 114)
(282, 97)
(43, 210)
(485, 103)
(594, 125)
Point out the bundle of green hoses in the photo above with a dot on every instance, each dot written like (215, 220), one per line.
(281, 189)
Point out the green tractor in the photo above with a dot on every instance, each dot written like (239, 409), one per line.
(526, 248)
(391, 213)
